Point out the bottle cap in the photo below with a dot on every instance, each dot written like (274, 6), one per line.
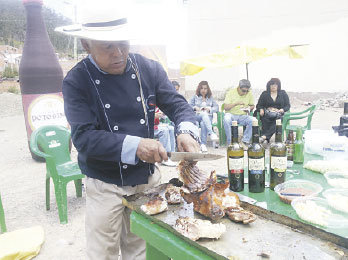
(255, 122)
(234, 123)
(26, 2)
(278, 122)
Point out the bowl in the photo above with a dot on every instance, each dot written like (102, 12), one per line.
(337, 199)
(293, 189)
(337, 179)
(317, 211)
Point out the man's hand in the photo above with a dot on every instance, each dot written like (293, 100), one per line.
(281, 111)
(186, 143)
(151, 151)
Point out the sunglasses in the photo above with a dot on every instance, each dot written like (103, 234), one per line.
(244, 90)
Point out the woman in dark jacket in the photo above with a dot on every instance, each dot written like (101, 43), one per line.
(272, 105)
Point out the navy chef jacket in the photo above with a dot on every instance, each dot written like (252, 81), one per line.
(107, 118)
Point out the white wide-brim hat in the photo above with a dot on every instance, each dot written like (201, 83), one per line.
(101, 23)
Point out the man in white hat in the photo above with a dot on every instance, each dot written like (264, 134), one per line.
(110, 99)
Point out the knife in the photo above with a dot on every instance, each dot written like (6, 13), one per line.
(178, 156)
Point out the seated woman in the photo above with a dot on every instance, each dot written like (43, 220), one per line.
(204, 105)
(272, 105)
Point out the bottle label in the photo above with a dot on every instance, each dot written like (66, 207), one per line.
(256, 166)
(43, 109)
(236, 165)
(278, 163)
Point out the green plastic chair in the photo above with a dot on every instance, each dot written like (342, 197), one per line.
(54, 144)
(2, 218)
(290, 116)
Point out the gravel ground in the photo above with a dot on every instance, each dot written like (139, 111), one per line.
(22, 184)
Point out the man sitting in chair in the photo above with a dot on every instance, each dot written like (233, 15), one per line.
(238, 103)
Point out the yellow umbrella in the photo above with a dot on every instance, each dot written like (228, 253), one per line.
(237, 56)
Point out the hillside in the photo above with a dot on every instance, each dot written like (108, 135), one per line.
(13, 23)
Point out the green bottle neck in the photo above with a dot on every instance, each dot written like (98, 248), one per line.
(278, 134)
(256, 135)
(299, 135)
(234, 131)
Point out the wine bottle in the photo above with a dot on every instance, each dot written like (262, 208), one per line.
(290, 146)
(278, 158)
(235, 161)
(298, 147)
(40, 75)
(256, 162)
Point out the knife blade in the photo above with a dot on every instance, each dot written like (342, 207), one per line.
(178, 156)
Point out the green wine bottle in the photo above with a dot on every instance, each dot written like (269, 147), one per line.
(298, 147)
(235, 161)
(290, 140)
(278, 158)
(256, 162)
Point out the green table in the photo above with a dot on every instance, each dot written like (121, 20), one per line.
(274, 203)
(163, 242)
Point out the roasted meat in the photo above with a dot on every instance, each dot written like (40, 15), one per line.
(194, 179)
(173, 195)
(209, 198)
(197, 228)
(206, 202)
(155, 205)
(238, 214)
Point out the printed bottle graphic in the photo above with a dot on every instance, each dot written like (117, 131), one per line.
(40, 75)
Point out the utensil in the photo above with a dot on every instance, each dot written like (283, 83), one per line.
(291, 194)
(178, 156)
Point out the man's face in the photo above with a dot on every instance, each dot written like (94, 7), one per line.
(243, 91)
(111, 57)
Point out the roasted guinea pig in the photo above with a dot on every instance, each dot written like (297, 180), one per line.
(197, 228)
(194, 179)
(155, 205)
(172, 194)
(213, 201)
(209, 198)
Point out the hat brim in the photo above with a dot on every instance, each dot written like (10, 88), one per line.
(120, 33)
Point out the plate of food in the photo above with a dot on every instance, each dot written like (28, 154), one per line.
(318, 211)
(290, 190)
(337, 179)
(337, 199)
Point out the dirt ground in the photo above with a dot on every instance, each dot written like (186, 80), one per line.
(22, 184)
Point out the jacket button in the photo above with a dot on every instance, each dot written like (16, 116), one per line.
(115, 127)
(142, 121)
(133, 76)
(97, 81)
(125, 166)
(107, 105)
(138, 99)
